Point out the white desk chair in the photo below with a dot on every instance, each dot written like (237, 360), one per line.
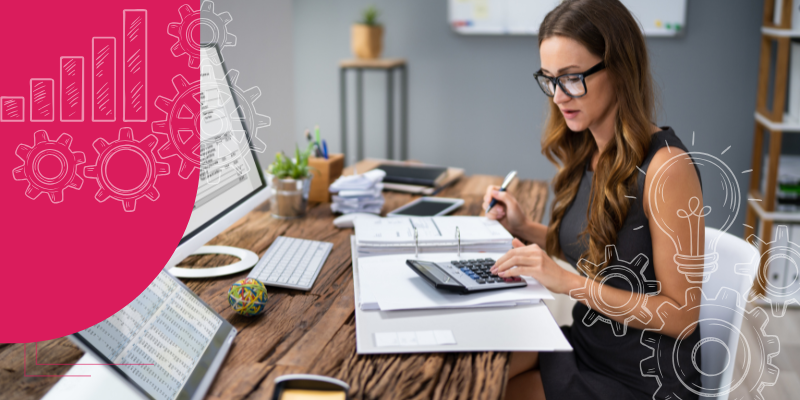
(715, 357)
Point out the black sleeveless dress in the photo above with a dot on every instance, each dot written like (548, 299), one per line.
(603, 365)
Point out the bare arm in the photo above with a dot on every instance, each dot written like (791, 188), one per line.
(533, 261)
(508, 212)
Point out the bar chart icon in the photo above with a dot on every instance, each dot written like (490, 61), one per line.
(12, 109)
(104, 79)
(134, 68)
(42, 92)
(72, 89)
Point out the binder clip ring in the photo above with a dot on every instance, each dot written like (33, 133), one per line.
(458, 236)
(416, 243)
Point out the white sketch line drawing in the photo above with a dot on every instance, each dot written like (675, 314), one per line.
(753, 356)
(72, 94)
(42, 100)
(689, 262)
(179, 128)
(182, 125)
(254, 122)
(12, 109)
(40, 181)
(134, 65)
(126, 143)
(632, 273)
(203, 19)
(782, 250)
(104, 79)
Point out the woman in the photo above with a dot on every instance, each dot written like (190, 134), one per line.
(601, 137)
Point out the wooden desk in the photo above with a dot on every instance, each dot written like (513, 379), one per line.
(308, 332)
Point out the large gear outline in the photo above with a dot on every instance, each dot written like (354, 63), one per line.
(178, 127)
(191, 20)
(775, 296)
(769, 345)
(616, 268)
(39, 183)
(144, 149)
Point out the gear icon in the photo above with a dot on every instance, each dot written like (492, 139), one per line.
(182, 125)
(778, 296)
(615, 269)
(31, 169)
(756, 349)
(126, 143)
(191, 21)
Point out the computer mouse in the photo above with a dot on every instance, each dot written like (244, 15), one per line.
(346, 221)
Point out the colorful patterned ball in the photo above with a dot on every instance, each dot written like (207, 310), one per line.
(248, 297)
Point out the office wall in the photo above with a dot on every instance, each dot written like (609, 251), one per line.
(474, 104)
(264, 57)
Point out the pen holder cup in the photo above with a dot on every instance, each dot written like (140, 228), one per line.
(325, 172)
(289, 197)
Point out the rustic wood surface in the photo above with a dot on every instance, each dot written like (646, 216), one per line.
(307, 332)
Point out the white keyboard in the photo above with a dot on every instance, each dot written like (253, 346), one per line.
(291, 263)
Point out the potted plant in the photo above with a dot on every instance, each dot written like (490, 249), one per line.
(291, 181)
(367, 35)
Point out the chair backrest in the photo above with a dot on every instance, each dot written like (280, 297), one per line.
(717, 357)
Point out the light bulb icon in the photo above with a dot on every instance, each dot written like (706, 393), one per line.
(696, 267)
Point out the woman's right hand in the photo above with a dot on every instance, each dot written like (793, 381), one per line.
(507, 211)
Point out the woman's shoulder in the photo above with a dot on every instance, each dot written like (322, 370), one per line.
(665, 138)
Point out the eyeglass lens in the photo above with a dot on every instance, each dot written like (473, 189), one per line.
(571, 84)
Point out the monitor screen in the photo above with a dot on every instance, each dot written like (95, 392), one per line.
(229, 170)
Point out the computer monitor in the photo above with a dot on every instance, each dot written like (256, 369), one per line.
(231, 180)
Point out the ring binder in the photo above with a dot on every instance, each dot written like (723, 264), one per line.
(458, 236)
(431, 235)
(416, 243)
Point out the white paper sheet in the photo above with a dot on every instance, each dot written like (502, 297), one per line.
(387, 283)
(430, 230)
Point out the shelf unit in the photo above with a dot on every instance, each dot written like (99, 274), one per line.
(761, 206)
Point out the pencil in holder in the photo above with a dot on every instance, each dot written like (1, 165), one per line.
(325, 171)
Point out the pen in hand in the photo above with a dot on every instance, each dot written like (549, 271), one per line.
(510, 177)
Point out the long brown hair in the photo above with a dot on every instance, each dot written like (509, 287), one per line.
(608, 30)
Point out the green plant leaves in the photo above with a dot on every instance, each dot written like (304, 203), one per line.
(284, 167)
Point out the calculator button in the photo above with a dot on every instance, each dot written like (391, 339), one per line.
(471, 261)
(481, 281)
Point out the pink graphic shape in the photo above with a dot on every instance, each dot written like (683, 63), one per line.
(72, 89)
(182, 125)
(104, 79)
(12, 109)
(134, 65)
(44, 181)
(82, 246)
(102, 172)
(42, 95)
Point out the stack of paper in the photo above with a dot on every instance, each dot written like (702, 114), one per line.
(358, 193)
(386, 283)
(377, 236)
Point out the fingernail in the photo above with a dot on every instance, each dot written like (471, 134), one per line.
(502, 274)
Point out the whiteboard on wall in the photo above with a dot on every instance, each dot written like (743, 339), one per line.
(523, 17)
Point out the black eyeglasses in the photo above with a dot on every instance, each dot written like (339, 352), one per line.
(573, 85)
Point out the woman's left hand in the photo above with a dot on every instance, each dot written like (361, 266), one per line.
(533, 261)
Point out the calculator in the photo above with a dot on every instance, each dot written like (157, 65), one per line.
(464, 276)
